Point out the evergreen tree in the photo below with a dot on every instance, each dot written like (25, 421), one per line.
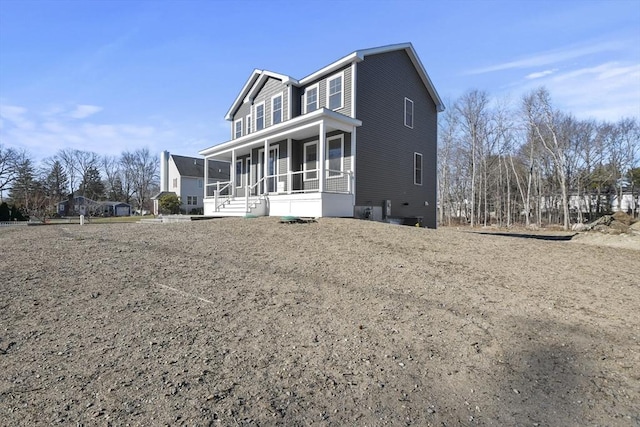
(56, 182)
(92, 184)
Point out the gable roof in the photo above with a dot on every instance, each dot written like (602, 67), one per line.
(194, 167)
(253, 84)
(257, 77)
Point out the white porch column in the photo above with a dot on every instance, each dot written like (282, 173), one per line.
(206, 177)
(321, 149)
(353, 164)
(289, 166)
(233, 173)
(265, 169)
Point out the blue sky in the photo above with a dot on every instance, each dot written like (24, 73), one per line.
(114, 75)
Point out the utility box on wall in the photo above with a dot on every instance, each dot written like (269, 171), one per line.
(386, 209)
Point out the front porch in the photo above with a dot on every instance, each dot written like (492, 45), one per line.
(301, 167)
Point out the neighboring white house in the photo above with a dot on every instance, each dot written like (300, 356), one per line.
(184, 177)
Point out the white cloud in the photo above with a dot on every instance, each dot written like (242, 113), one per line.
(15, 115)
(607, 91)
(540, 74)
(43, 134)
(84, 111)
(555, 56)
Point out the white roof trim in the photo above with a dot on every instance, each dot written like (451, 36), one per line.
(254, 82)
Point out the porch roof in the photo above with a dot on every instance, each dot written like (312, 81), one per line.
(301, 127)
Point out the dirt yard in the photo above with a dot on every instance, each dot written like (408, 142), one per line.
(339, 322)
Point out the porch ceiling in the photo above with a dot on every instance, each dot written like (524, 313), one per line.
(302, 127)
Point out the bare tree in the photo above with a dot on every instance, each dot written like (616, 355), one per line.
(472, 108)
(9, 159)
(141, 169)
(549, 125)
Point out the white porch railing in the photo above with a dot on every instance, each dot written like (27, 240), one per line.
(285, 183)
(308, 182)
(221, 193)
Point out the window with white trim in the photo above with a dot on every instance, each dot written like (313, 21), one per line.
(335, 150)
(417, 168)
(311, 99)
(238, 128)
(248, 124)
(310, 166)
(192, 200)
(175, 182)
(259, 116)
(276, 109)
(408, 113)
(335, 92)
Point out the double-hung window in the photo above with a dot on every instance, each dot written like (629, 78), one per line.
(311, 99)
(417, 168)
(276, 109)
(259, 116)
(310, 166)
(248, 124)
(335, 148)
(408, 113)
(238, 128)
(335, 92)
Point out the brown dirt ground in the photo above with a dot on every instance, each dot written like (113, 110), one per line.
(339, 322)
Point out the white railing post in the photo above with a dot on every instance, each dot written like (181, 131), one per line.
(246, 199)
(215, 200)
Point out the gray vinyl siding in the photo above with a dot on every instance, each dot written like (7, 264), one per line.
(242, 112)
(322, 91)
(296, 105)
(272, 87)
(385, 147)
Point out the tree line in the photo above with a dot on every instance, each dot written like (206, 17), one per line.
(531, 163)
(36, 189)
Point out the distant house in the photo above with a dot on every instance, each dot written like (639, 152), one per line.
(357, 138)
(184, 176)
(80, 205)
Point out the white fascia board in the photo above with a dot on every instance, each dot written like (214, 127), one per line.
(353, 57)
(243, 93)
(282, 129)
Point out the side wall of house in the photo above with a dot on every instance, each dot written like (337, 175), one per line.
(174, 178)
(191, 187)
(385, 147)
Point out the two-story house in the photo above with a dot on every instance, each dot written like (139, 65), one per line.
(184, 177)
(357, 138)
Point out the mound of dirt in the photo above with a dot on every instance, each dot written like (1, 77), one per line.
(617, 223)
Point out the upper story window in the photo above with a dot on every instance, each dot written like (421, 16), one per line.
(335, 92)
(248, 124)
(276, 109)
(259, 117)
(175, 182)
(238, 128)
(408, 113)
(417, 168)
(311, 99)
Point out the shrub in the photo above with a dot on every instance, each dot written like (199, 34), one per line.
(169, 203)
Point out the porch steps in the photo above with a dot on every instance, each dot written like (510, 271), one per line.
(236, 207)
